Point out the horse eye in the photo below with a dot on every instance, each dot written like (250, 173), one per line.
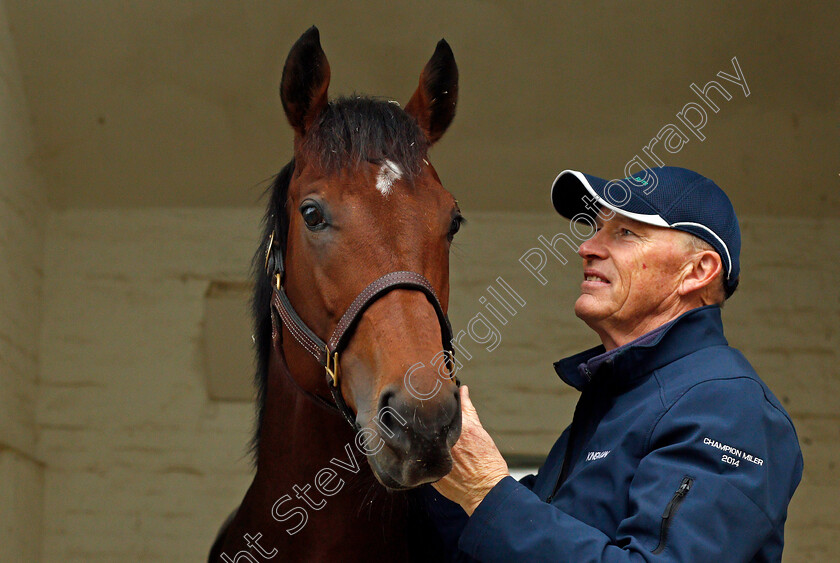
(455, 226)
(312, 216)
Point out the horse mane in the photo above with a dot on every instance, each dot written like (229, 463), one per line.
(349, 131)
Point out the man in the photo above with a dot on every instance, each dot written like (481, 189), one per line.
(677, 450)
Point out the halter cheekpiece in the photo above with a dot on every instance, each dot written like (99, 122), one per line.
(327, 353)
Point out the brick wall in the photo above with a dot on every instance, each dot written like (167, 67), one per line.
(22, 209)
(142, 466)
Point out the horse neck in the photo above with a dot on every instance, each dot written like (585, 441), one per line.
(298, 435)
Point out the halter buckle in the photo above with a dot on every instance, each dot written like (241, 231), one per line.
(332, 370)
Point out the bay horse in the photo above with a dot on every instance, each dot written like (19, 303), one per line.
(355, 248)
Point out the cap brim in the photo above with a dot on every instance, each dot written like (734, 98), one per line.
(574, 193)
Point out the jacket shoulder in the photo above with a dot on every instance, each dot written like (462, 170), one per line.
(715, 402)
(715, 363)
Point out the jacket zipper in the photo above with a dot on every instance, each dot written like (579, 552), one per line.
(573, 431)
(564, 469)
(670, 510)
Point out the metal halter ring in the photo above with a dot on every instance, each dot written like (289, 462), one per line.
(332, 368)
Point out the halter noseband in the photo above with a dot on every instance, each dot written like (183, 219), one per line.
(327, 353)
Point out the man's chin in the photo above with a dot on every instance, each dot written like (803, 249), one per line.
(584, 306)
(588, 309)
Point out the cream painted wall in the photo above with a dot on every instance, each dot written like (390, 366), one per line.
(22, 221)
(157, 103)
(142, 466)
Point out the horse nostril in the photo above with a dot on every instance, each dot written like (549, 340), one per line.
(406, 424)
(385, 400)
(388, 418)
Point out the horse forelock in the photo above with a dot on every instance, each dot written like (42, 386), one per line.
(355, 129)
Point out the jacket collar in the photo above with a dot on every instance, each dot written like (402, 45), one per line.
(622, 366)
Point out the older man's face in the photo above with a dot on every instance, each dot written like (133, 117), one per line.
(631, 274)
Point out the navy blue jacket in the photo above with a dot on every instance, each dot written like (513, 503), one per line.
(677, 452)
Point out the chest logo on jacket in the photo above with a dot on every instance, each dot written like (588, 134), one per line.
(592, 456)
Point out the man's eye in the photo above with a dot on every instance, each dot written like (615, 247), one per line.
(626, 232)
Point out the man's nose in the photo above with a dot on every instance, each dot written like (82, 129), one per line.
(593, 247)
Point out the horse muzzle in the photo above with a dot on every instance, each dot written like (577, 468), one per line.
(413, 437)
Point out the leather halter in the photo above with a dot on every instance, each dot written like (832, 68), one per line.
(327, 353)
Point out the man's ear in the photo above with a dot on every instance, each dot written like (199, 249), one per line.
(702, 270)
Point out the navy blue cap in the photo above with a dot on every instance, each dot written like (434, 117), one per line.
(666, 197)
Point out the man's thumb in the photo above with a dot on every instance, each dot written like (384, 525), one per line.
(465, 398)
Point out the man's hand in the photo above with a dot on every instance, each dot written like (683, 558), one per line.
(477, 463)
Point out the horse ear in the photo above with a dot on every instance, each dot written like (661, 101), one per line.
(306, 77)
(433, 103)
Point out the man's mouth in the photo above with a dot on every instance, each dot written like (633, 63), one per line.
(593, 276)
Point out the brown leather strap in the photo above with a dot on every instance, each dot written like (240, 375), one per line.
(322, 351)
(388, 282)
(308, 340)
(338, 340)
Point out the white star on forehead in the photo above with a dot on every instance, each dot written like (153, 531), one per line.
(388, 174)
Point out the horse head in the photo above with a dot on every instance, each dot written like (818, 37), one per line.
(362, 200)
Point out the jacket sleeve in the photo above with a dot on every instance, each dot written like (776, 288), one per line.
(729, 512)
(449, 519)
